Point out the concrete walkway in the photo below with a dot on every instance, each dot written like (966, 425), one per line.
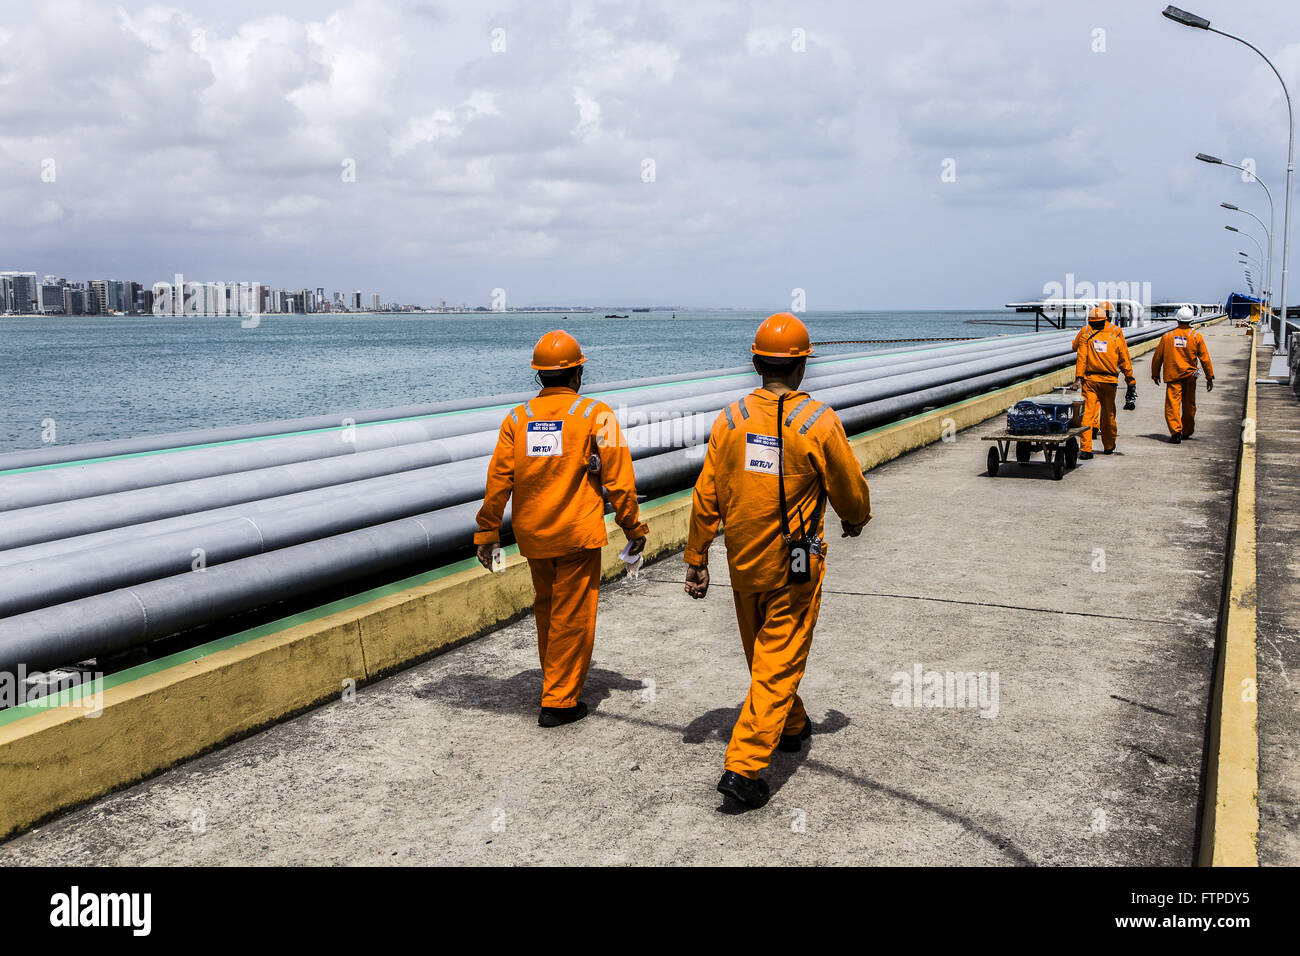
(1093, 600)
(1278, 607)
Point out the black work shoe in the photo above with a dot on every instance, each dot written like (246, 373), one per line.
(793, 743)
(752, 793)
(1175, 439)
(1085, 455)
(556, 716)
(1108, 451)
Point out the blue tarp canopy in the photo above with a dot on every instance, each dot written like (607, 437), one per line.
(1240, 306)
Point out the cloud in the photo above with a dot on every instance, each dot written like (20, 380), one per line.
(385, 141)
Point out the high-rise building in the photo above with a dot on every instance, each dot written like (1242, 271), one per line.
(117, 296)
(374, 300)
(76, 299)
(49, 299)
(21, 292)
(99, 290)
(356, 300)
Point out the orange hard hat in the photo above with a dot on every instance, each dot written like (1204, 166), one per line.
(1101, 311)
(782, 336)
(557, 350)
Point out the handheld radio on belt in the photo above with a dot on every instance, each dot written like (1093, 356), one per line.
(801, 548)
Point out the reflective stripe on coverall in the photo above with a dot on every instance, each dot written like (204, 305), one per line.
(559, 520)
(737, 488)
(1102, 356)
(1175, 360)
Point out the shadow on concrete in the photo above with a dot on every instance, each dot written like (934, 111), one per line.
(1034, 471)
(519, 694)
(716, 725)
(993, 838)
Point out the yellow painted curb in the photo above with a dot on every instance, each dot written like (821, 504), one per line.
(1230, 821)
(60, 758)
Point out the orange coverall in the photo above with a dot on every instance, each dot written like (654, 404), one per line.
(559, 520)
(1102, 356)
(738, 489)
(1175, 359)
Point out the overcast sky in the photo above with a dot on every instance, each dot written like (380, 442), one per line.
(431, 150)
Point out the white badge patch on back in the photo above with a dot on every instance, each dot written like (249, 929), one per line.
(760, 453)
(1099, 345)
(545, 439)
(1180, 341)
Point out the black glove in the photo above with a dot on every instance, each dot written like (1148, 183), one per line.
(1131, 398)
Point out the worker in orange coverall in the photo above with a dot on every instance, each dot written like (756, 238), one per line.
(553, 454)
(1102, 355)
(775, 439)
(1176, 358)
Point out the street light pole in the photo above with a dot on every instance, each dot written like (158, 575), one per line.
(1242, 232)
(1268, 270)
(1215, 160)
(1200, 23)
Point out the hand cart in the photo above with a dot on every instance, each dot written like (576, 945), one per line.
(1060, 450)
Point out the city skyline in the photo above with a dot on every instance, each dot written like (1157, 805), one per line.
(52, 295)
(22, 293)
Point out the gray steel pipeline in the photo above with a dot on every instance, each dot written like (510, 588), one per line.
(67, 577)
(188, 599)
(50, 522)
(39, 524)
(85, 516)
(98, 625)
(94, 452)
(205, 436)
(675, 469)
(131, 615)
(451, 483)
(92, 479)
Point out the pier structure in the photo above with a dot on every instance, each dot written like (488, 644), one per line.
(1009, 670)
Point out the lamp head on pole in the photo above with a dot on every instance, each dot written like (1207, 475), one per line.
(1185, 18)
(1228, 205)
(1232, 229)
(1207, 158)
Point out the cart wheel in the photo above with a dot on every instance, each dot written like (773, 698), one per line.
(1057, 461)
(1071, 453)
(994, 461)
(1023, 450)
